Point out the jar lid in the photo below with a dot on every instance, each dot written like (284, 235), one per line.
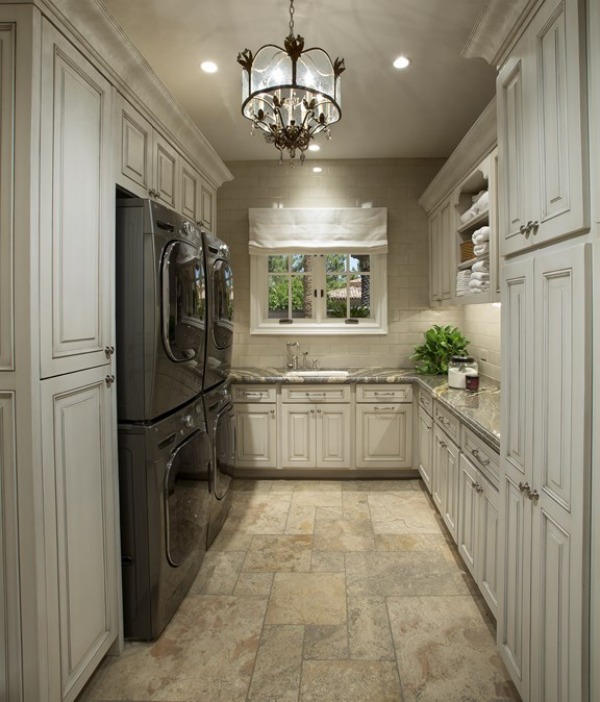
(462, 359)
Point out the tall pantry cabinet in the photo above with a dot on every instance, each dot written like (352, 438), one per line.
(546, 293)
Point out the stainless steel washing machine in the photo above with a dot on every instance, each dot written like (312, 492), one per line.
(165, 511)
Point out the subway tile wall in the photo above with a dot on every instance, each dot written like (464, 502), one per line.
(481, 325)
(393, 183)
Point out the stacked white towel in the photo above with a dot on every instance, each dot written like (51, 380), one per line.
(482, 265)
(478, 286)
(481, 249)
(479, 279)
(481, 235)
(480, 204)
(463, 279)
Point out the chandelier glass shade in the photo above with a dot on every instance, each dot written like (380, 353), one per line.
(291, 93)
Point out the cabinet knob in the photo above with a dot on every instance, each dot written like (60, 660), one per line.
(478, 487)
(443, 444)
(523, 229)
(109, 380)
(532, 227)
(109, 350)
(525, 488)
(272, 414)
(533, 495)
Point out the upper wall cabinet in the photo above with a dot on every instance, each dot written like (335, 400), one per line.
(7, 91)
(148, 165)
(76, 210)
(541, 135)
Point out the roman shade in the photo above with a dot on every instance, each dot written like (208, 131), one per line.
(357, 230)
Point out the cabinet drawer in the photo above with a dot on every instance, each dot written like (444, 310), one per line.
(316, 393)
(447, 421)
(254, 393)
(482, 456)
(384, 393)
(426, 401)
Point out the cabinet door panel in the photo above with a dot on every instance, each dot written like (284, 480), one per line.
(7, 107)
(298, 436)
(383, 437)
(426, 448)
(190, 192)
(450, 500)
(208, 204)
(435, 259)
(133, 149)
(76, 210)
(166, 172)
(79, 491)
(440, 468)
(255, 435)
(468, 513)
(487, 546)
(448, 261)
(333, 436)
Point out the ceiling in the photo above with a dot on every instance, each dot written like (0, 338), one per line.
(423, 111)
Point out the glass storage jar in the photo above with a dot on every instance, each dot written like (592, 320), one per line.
(458, 368)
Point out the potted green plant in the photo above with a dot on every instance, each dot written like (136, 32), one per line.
(440, 344)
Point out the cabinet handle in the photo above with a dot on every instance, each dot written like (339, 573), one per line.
(383, 394)
(109, 350)
(153, 193)
(315, 394)
(312, 411)
(523, 229)
(272, 414)
(253, 394)
(525, 488)
(443, 444)
(532, 227)
(110, 379)
(319, 411)
(483, 461)
(383, 408)
(533, 495)
(477, 487)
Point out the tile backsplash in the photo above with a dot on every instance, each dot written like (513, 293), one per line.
(393, 183)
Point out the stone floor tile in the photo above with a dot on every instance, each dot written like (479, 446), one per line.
(326, 514)
(307, 598)
(218, 573)
(343, 535)
(300, 520)
(231, 541)
(254, 584)
(286, 553)
(250, 485)
(350, 681)
(387, 486)
(262, 514)
(278, 663)
(446, 651)
(388, 574)
(415, 542)
(325, 642)
(369, 633)
(327, 562)
(286, 486)
(405, 513)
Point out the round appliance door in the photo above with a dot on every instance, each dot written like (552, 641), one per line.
(184, 302)
(186, 499)
(222, 285)
(224, 451)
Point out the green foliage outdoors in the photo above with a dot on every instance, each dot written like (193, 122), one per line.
(440, 343)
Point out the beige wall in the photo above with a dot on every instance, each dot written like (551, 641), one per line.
(392, 183)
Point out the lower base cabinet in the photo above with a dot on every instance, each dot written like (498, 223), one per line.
(383, 436)
(425, 434)
(255, 435)
(478, 530)
(79, 480)
(445, 479)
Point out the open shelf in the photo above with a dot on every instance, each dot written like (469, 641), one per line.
(481, 218)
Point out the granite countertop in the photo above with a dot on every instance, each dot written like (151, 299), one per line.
(480, 410)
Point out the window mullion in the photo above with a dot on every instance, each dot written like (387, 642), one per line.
(319, 284)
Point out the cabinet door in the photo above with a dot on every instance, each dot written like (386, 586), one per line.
(7, 123)
(425, 448)
(76, 210)
(435, 259)
(208, 204)
(440, 468)
(450, 497)
(133, 149)
(10, 638)
(190, 192)
(560, 472)
(166, 179)
(447, 253)
(333, 436)
(468, 513)
(298, 436)
(256, 436)
(79, 465)
(383, 436)
(486, 544)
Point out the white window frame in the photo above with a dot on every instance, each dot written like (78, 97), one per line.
(259, 302)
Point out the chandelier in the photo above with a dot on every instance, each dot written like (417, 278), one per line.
(291, 93)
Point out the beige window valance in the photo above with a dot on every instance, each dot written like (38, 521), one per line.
(359, 230)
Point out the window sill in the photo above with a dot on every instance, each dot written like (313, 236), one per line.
(319, 330)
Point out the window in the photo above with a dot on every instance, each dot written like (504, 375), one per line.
(318, 270)
(318, 293)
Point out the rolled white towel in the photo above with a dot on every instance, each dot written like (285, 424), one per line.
(475, 284)
(469, 214)
(480, 249)
(480, 235)
(476, 275)
(483, 201)
(475, 198)
(481, 266)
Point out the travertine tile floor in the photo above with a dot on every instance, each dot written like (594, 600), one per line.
(321, 591)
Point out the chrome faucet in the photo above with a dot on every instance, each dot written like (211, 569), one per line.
(292, 358)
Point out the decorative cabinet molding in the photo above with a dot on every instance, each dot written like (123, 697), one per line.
(542, 137)
(80, 525)
(133, 148)
(425, 434)
(544, 471)
(383, 435)
(7, 121)
(76, 210)
(255, 427)
(445, 481)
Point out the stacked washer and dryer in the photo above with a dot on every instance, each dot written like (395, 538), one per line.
(174, 312)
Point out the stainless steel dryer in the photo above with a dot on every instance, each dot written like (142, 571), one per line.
(165, 510)
(160, 310)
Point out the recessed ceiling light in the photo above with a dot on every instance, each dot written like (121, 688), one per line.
(401, 62)
(314, 147)
(317, 169)
(209, 66)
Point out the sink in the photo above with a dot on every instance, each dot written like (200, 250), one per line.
(319, 373)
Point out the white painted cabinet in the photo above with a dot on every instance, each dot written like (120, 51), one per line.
(542, 137)
(544, 472)
(255, 426)
(383, 435)
(440, 233)
(445, 471)
(76, 210)
(80, 518)
(425, 434)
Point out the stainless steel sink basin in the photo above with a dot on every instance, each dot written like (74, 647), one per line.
(319, 373)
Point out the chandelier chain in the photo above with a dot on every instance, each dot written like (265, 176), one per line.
(292, 11)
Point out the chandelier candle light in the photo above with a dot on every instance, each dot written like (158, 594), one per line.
(291, 93)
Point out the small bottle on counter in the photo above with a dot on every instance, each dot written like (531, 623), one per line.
(458, 369)
(472, 382)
